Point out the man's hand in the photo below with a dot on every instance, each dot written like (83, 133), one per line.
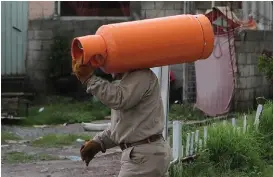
(89, 150)
(82, 71)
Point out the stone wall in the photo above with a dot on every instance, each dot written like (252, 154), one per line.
(250, 83)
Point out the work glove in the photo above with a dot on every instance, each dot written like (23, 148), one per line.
(82, 71)
(88, 151)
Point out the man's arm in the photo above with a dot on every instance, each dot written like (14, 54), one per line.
(104, 140)
(123, 96)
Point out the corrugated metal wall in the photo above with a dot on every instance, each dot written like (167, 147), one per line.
(14, 24)
(261, 11)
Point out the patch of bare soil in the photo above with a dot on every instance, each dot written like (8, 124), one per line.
(103, 165)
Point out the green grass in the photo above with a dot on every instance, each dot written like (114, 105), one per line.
(21, 157)
(228, 149)
(8, 136)
(230, 154)
(53, 140)
(64, 110)
(185, 112)
(204, 168)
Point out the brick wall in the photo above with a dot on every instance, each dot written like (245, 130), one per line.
(250, 83)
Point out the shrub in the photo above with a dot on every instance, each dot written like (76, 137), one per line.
(266, 121)
(59, 59)
(266, 129)
(265, 65)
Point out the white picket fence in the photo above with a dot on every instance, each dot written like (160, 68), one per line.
(195, 143)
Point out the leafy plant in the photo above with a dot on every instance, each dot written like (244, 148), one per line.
(59, 59)
(265, 65)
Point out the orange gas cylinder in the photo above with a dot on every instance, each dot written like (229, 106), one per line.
(117, 48)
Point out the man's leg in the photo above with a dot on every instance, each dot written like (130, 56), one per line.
(147, 160)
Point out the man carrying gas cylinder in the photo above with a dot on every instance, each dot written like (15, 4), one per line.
(137, 121)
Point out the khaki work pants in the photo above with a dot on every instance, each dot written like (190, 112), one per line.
(146, 160)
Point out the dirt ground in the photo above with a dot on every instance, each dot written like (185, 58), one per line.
(103, 165)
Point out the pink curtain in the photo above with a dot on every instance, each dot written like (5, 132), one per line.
(214, 78)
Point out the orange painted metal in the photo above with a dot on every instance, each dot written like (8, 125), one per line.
(120, 47)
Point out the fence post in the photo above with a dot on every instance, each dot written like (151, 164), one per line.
(196, 141)
(205, 136)
(258, 114)
(188, 145)
(244, 124)
(192, 143)
(177, 139)
(233, 122)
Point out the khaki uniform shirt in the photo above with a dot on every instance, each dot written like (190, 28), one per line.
(137, 108)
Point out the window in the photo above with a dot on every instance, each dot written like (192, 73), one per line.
(95, 8)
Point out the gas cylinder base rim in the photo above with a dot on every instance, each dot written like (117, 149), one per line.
(77, 51)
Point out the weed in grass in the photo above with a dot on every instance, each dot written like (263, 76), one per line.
(21, 157)
(56, 140)
(66, 111)
(8, 136)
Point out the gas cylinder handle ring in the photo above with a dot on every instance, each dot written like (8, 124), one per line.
(97, 60)
(77, 51)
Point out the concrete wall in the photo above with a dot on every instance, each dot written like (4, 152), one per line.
(151, 9)
(41, 32)
(250, 83)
